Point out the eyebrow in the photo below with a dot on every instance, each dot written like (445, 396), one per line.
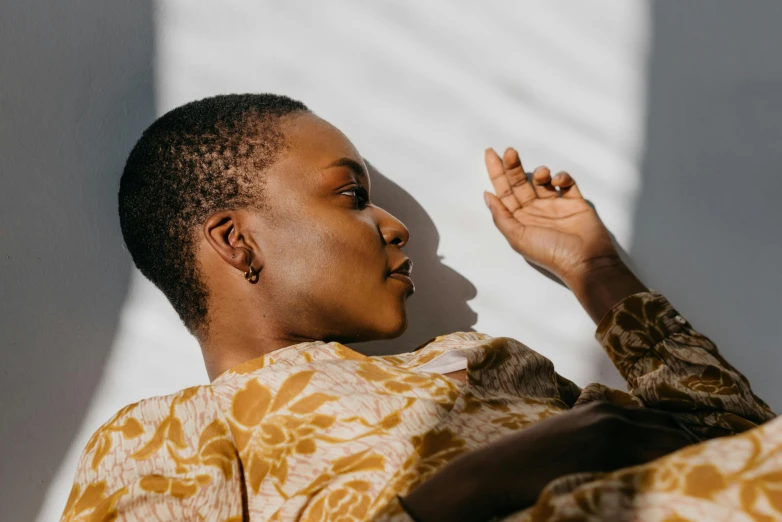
(355, 166)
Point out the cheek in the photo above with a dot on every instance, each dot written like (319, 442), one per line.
(321, 258)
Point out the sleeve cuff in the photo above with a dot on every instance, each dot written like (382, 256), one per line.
(635, 325)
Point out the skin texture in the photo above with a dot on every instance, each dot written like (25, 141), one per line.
(323, 256)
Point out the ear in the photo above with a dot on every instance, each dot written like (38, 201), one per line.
(227, 232)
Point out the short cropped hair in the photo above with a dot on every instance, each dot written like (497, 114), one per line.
(200, 158)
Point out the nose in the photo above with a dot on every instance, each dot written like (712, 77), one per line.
(394, 232)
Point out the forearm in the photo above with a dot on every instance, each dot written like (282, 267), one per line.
(459, 492)
(481, 485)
(602, 284)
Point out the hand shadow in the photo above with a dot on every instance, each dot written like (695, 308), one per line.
(439, 305)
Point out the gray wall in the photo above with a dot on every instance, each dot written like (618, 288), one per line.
(76, 89)
(708, 225)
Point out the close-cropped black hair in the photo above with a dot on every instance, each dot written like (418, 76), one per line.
(200, 158)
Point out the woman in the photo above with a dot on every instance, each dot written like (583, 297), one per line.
(254, 217)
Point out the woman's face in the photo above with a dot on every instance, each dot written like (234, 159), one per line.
(328, 254)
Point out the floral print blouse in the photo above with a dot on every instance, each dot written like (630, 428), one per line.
(317, 432)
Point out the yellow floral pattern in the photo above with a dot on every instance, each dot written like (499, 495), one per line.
(319, 432)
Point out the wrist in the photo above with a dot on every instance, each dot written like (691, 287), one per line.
(591, 270)
(602, 283)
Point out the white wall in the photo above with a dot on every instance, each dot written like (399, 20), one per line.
(620, 93)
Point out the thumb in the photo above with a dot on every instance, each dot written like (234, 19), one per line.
(502, 217)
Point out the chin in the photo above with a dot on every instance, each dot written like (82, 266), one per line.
(393, 333)
(386, 322)
(392, 330)
(376, 332)
(391, 327)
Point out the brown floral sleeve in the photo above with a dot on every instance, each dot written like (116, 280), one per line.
(672, 367)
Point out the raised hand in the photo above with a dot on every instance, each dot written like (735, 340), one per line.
(548, 221)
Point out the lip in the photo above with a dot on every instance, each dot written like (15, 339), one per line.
(405, 279)
(404, 268)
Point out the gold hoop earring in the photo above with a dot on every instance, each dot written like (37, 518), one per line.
(251, 275)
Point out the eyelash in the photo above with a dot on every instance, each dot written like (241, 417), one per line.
(359, 194)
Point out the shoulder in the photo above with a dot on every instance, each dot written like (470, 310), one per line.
(161, 451)
(149, 434)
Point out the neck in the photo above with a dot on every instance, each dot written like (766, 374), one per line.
(231, 339)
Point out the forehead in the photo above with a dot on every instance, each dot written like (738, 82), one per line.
(312, 145)
(315, 143)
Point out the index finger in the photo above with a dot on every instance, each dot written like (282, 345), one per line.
(500, 181)
(517, 178)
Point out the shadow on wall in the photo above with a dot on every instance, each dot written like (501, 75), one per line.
(439, 305)
(707, 228)
(76, 91)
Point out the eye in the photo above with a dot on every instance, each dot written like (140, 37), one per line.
(359, 194)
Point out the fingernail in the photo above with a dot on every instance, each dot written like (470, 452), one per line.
(486, 199)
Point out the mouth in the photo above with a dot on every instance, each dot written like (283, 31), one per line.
(404, 268)
(402, 273)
